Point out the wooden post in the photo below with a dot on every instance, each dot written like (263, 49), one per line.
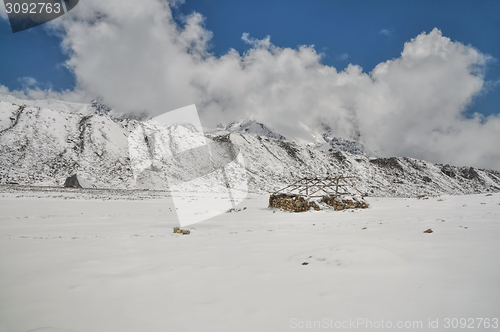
(337, 187)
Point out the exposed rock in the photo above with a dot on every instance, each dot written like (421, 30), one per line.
(77, 181)
(391, 162)
(100, 107)
(338, 155)
(446, 169)
(470, 173)
(340, 144)
(291, 149)
(177, 230)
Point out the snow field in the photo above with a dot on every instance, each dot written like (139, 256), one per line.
(115, 265)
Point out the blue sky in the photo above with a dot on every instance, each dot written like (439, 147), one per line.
(359, 32)
(368, 32)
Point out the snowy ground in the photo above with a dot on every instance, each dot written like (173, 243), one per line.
(78, 262)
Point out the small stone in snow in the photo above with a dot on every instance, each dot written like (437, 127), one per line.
(305, 263)
(428, 231)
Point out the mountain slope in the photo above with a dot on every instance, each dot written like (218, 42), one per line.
(43, 145)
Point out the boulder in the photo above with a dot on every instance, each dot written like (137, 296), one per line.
(77, 181)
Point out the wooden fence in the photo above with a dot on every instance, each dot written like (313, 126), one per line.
(318, 187)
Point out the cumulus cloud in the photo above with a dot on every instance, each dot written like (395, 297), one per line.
(137, 58)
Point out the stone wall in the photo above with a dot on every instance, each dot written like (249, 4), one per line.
(343, 203)
(293, 203)
(297, 203)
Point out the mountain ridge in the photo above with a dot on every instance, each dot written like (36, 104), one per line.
(42, 145)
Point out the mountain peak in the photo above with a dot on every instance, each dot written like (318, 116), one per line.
(253, 127)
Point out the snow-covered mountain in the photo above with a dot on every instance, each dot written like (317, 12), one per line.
(44, 142)
(322, 140)
(253, 127)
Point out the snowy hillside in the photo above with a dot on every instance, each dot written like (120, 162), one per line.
(44, 142)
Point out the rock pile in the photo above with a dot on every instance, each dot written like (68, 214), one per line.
(296, 203)
(181, 231)
(292, 203)
(343, 203)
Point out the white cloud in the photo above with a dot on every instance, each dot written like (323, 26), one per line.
(28, 82)
(176, 3)
(137, 58)
(343, 57)
(385, 32)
